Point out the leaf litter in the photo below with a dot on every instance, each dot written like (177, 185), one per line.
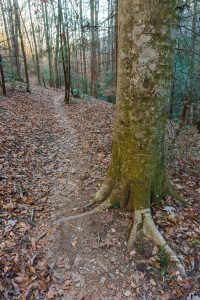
(53, 158)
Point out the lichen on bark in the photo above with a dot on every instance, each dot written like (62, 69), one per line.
(137, 173)
(145, 49)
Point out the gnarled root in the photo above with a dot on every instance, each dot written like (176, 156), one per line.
(111, 194)
(101, 207)
(102, 194)
(104, 191)
(143, 221)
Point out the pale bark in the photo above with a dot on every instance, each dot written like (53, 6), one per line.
(137, 173)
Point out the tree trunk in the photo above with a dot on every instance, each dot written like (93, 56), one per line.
(37, 62)
(65, 51)
(57, 77)
(188, 97)
(75, 52)
(172, 94)
(193, 55)
(28, 39)
(109, 35)
(112, 37)
(98, 52)
(93, 65)
(2, 77)
(14, 39)
(116, 39)
(18, 24)
(137, 173)
(7, 35)
(85, 88)
(47, 36)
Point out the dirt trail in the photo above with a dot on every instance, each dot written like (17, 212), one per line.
(85, 254)
(79, 272)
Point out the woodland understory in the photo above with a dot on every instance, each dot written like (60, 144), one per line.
(52, 161)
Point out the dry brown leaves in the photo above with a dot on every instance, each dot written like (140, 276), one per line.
(28, 137)
(25, 273)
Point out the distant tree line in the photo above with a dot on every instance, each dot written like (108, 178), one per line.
(73, 44)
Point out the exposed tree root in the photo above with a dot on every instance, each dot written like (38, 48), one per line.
(108, 192)
(144, 222)
(104, 191)
(107, 196)
(101, 207)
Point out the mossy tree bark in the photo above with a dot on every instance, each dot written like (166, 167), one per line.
(137, 172)
(144, 75)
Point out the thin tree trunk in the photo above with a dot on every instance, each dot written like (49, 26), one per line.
(68, 54)
(14, 39)
(37, 62)
(112, 38)
(98, 53)
(7, 34)
(47, 37)
(188, 97)
(85, 88)
(57, 79)
(2, 76)
(116, 39)
(18, 24)
(93, 64)
(108, 41)
(172, 94)
(16, 43)
(75, 51)
(28, 39)
(64, 52)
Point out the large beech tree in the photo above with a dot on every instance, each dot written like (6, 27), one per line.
(137, 172)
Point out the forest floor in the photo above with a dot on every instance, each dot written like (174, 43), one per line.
(53, 158)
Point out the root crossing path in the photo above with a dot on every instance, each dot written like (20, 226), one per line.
(60, 157)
